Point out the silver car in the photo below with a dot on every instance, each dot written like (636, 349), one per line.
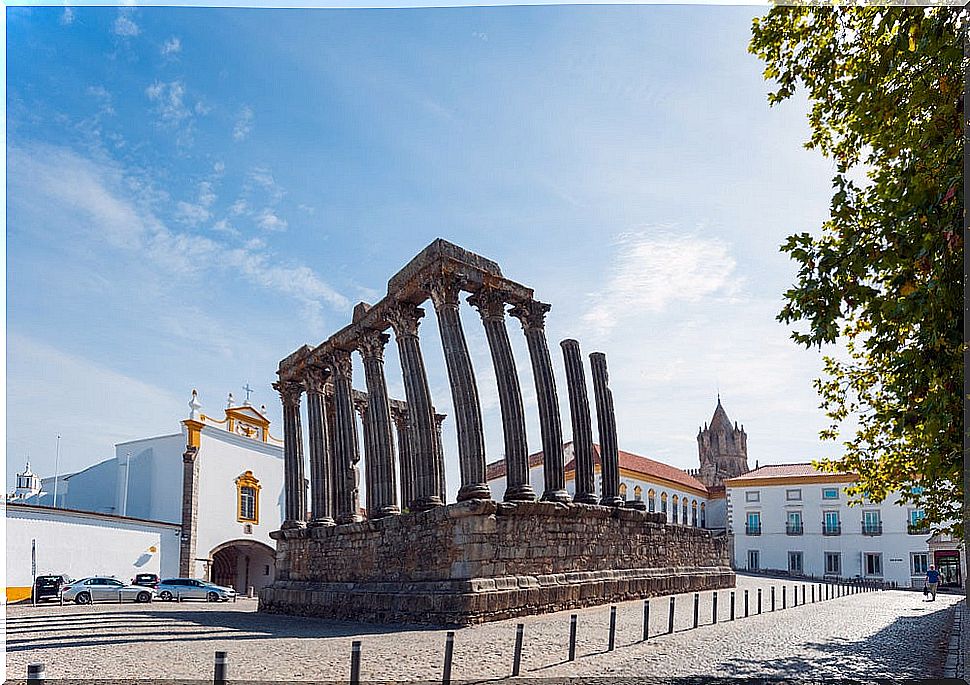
(193, 588)
(105, 589)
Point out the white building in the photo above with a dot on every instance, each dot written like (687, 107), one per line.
(219, 481)
(795, 518)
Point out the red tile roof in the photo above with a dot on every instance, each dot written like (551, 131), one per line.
(789, 471)
(628, 461)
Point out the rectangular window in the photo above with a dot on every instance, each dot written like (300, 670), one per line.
(830, 493)
(919, 563)
(833, 563)
(752, 496)
(753, 561)
(831, 524)
(793, 495)
(753, 523)
(917, 524)
(652, 504)
(793, 526)
(247, 503)
(872, 563)
(871, 523)
(795, 562)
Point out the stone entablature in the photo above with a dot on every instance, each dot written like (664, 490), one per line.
(480, 561)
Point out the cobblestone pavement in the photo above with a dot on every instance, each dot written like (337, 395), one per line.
(868, 635)
(958, 651)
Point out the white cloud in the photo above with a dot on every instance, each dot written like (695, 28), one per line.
(168, 99)
(244, 124)
(219, 168)
(124, 26)
(269, 221)
(67, 17)
(172, 46)
(240, 206)
(206, 195)
(191, 214)
(652, 271)
(223, 226)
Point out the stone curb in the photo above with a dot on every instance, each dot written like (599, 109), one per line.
(955, 665)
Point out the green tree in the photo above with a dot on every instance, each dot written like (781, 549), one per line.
(883, 274)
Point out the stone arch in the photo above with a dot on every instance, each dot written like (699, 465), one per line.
(241, 564)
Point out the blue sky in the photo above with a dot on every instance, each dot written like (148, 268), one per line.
(194, 192)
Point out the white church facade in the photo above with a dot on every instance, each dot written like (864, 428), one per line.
(218, 483)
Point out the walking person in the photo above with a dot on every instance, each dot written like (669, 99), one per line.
(932, 582)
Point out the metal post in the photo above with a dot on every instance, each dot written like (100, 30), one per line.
(646, 619)
(714, 608)
(449, 652)
(732, 605)
(36, 673)
(572, 637)
(612, 628)
(759, 600)
(784, 598)
(772, 597)
(670, 619)
(219, 677)
(178, 596)
(517, 656)
(813, 594)
(803, 594)
(355, 662)
(697, 608)
(745, 603)
(120, 600)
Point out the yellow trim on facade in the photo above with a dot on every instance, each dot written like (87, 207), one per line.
(247, 480)
(194, 432)
(18, 594)
(742, 482)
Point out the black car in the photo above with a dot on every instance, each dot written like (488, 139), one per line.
(146, 580)
(49, 587)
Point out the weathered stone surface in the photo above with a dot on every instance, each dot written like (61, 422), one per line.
(480, 561)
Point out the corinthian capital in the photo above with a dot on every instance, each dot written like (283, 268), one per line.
(316, 378)
(444, 290)
(404, 318)
(489, 303)
(531, 313)
(290, 392)
(371, 344)
(341, 364)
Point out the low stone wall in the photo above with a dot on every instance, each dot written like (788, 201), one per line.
(482, 561)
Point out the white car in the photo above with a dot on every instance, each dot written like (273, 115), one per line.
(105, 589)
(193, 588)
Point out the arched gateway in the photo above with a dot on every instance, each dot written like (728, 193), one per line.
(241, 564)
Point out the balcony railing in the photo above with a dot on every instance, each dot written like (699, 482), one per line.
(752, 529)
(794, 529)
(831, 528)
(918, 528)
(872, 528)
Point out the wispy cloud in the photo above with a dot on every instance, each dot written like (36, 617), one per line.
(172, 46)
(652, 271)
(269, 221)
(244, 124)
(169, 101)
(124, 25)
(67, 16)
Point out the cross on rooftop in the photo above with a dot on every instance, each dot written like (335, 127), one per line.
(248, 390)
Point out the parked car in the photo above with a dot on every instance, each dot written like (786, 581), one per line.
(49, 587)
(146, 580)
(105, 589)
(192, 588)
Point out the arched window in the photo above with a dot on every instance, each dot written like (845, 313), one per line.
(675, 501)
(663, 504)
(693, 513)
(684, 521)
(703, 516)
(247, 498)
(623, 491)
(637, 493)
(652, 500)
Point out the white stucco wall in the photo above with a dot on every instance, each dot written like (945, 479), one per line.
(895, 544)
(84, 544)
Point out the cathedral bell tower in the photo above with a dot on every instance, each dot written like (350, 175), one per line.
(722, 448)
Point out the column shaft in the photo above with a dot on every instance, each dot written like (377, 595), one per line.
(439, 455)
(321, 479)
(464, 391)
(532, 315)
(346, 454)
(360, 406)
(491, 305)
(606, 423)
(380, 458)
(582, 426)
(294, 481)
(405, 459)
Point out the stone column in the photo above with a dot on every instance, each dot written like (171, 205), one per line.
(464, 392)
(491, 306)
(582, 427)
(606, 423)
(380, 458)
(404, 318)
(294, 481)
(346, 454)
(439, 453)
(405, 459)
(360, 406)
(321, 478)
(190, 511)
(532, 315)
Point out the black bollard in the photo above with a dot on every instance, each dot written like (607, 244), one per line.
(670, 618)
(36, 673)
(449, 652)
(803, 594)
(714, 609)
(746, 604)
(572, 637)
(355, 662)
(517, 657)
(784, 598)
(759, 600)
(772, 597)
(646, 619)
(612, 629)
(697, 609)
(219, 675)
(813, 594)
(732, 605)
